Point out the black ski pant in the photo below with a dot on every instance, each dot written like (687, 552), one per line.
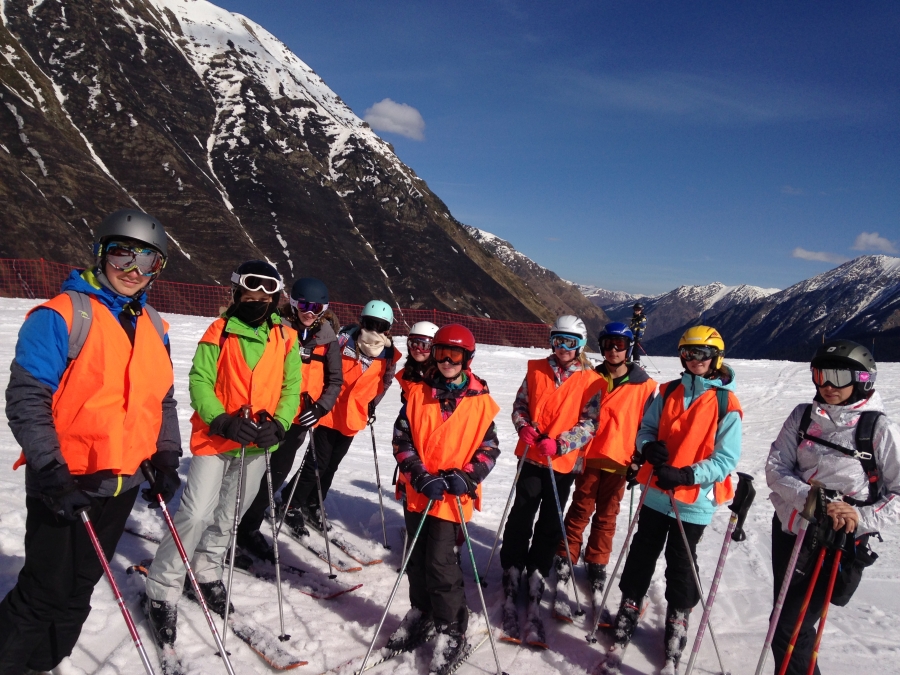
(281, 462)
(782, 546)
(656, 530)
(435, 577)
(331, 448)
(41, 617)
(534, 492)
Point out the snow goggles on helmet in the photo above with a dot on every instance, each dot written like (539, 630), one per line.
(375, 324)
(420, 344)
(124, 257)
(448, 354)
(303, 307)
(257, 282)
(698, 353)
(620, 344)
(837, 377)
(568, 342)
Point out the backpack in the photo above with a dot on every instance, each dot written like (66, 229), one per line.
(83, 314)
(721, 397)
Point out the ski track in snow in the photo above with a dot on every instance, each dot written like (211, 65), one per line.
(859, 638)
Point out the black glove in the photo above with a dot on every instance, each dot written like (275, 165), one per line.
(166, 480)
(235, 428)
(669, 478)
(632, 471)
(271, 433)
(371, 412)
(656, 452)
(312, 413)
(459, 483)
(430, 485)
(60, 492)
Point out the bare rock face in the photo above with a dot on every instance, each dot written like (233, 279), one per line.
(205, 120)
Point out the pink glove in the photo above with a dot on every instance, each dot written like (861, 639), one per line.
(546, 447)
(528, 434)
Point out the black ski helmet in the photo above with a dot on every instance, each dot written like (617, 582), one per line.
(131, 224)
(310, 290)
(260, 267)
(638, 306)
(850, 355)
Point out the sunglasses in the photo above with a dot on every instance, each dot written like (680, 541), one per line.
(617, 343)
(832, 377)
(698, 353)
(257, 282)
(448, 354)
(567, 342)
(303, 307)
(374, 324)
(147, 261)
(419, 344)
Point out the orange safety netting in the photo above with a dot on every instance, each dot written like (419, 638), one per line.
(42, 279)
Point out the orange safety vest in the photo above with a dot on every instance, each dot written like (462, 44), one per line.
(237, 385)
(690, 436)
(620, 418)
(107, 410)
(446, 444)
(350, 413)
(312, 376)
(553, 409)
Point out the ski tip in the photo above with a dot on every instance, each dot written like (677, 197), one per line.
(538, 645)
(510, 640)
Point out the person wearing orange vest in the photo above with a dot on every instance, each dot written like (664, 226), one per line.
(319, 388)
(627, 394)
(555, 415)
(85, 423)
(368, 360)
(445, 443)
(246, 358)
(691, 441)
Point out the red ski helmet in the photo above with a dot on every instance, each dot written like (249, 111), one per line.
(457, 335)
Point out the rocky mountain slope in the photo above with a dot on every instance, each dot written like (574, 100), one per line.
(859, 300)
(604, 298)
(204, 119)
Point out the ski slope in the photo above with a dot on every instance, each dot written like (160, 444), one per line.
(862, 637)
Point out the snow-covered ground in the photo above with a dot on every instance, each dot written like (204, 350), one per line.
(862, 637)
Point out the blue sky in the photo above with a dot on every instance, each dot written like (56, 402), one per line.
(633, 145)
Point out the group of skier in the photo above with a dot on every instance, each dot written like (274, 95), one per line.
(91, 402)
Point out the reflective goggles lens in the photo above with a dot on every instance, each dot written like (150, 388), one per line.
(448, 354)
(567, 342)
(698, 353)
(374, 324)
(257, 282)
(832, 377)
(147, 261)
(302, 306)
(620, 344)
(419, 344)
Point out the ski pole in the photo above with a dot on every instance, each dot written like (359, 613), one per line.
(743, 498)
(835, 566)
(512, 491)
(387, 608)
(630, 512)
(813, 578)
(315, 459)
(487, 621)
(598, 612)
(378, 481)
(562, 526)
(147, 470)
(805, 517)
(284, 637)
(245, 413)
(648, 357)
(135, 637)
(294, 481)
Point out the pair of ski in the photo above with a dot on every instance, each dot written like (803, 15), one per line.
(358, 558)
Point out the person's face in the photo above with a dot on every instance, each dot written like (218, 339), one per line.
(699, 367)
(254, 296)
(564, 356)
(450, 370)
(419, 348)
(614, 350)
(307, 318)
(835, 395)
(125, 283)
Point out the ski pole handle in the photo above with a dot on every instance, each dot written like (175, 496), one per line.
(740, 505)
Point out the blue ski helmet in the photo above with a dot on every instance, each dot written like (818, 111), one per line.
(310, 290)
(616, 329)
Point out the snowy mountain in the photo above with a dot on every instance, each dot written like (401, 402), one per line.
(558, 295)
(206, 120)
(858, 300)
(604, 298)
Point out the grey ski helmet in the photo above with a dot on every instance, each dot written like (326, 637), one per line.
(850, 355)
(131, 224)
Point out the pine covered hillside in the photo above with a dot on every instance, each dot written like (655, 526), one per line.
(204, 119)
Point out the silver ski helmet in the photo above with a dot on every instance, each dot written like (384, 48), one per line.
(839, 355)
(131, 225)
(424, 329)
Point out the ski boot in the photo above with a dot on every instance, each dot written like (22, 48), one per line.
(313, 515)
(597, 577)
(450, 648)
(676, 638)
(624, 626)
(163, 617)
(256, 545)
(562, 608)
(295, 522)
(535, 636)
(214, 594)
(416, 628)
(511, 582)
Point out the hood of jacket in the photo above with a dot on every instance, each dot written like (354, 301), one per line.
(695, 386)
(85, 281)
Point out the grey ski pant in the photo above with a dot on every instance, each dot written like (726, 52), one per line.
(204, 522)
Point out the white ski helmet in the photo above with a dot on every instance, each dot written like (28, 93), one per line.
(570, 325)
(424, 329)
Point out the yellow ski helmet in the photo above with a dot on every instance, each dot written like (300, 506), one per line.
(705, 335)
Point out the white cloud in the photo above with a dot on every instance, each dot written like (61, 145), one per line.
(397, 118)
(793, 191)
(872, 241)
(820, 256)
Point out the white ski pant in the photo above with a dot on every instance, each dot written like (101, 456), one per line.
(204, 522)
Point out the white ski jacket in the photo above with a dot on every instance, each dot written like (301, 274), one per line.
(789, 468)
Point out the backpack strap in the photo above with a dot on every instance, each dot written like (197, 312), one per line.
(82, 316)
(156, 320)
(669, 389)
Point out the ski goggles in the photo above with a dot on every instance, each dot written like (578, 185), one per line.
(448, 354)
(568, 342)
(304, 307)
(837, 377)
(257, 282)
(419, 344)
(698, 353)
(619, 344)
(375, 324)
(123, 257)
